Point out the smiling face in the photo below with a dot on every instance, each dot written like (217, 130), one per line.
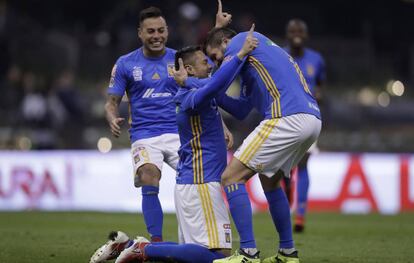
(198, 65)
(153, 33)
(296, 33)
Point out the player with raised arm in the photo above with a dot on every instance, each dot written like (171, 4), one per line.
(273, 84)
(312, 66)
(204, 224)
(146, 77)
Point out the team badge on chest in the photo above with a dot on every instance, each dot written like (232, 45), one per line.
(170, 69)
(137, 73)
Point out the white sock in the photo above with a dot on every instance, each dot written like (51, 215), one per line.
(287, 251)
(250, 251)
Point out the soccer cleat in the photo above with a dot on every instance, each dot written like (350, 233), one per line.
(239, 257)
(135, 253)
(283, 258)
(111, 249)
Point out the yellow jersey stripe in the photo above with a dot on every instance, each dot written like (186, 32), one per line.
(200, 151)
(213, 217)
(265, 78)
(195, 149)
(267, 74)
(270, 84)
(206, 217)
(251, 145)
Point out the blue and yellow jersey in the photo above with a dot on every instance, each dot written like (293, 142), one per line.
(312, 66)
(203, 153)
(150, 87)
(272, 81)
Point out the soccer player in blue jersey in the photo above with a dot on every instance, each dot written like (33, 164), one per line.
(273, 84)
(145, 76)
(312, 66)
(204, 224)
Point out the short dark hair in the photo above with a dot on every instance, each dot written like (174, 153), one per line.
(216, 35)
(150, 12)
(185, 54)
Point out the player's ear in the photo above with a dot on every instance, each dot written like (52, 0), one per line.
(189, 69)
(224, 42)
(139, 31)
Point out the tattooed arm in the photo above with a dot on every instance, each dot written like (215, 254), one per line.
(112, 114)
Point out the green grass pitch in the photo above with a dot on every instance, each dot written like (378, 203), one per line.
(73, 236)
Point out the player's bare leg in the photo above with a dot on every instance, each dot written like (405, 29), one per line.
(236, 172)
(280, 212)
(148, 176)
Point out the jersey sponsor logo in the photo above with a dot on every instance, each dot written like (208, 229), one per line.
(156, 76)
(149, 93)
(137, 73)
(112, 80)
(170, 69)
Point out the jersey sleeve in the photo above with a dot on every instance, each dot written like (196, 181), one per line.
(193, 82)
(221, 80)
(118, 81)
(234, 45)
(239, 108)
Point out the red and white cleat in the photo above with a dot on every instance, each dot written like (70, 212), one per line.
(111, 249)
(135, 253)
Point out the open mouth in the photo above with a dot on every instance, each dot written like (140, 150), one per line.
(157, 44)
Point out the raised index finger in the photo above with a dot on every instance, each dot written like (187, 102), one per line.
(251, 30)
(220, 7)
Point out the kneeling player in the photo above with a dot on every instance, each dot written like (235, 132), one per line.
(204, 224)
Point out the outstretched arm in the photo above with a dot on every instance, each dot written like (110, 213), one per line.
(223, 77)
(239, 108)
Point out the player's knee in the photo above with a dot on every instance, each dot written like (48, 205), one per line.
(271, 183)
(148, 174)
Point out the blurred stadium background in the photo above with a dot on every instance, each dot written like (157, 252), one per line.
(57, 57)
(55, 63)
